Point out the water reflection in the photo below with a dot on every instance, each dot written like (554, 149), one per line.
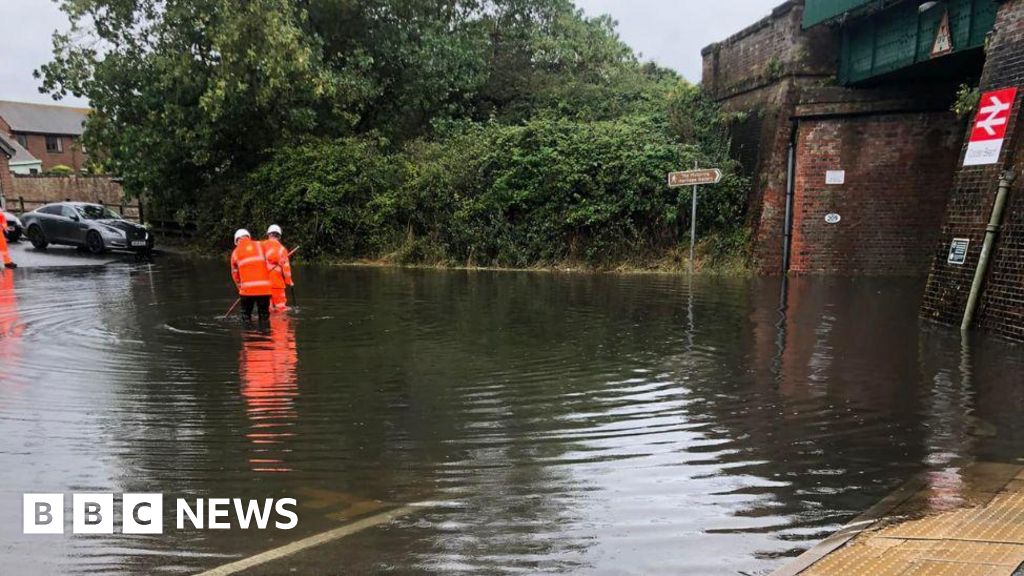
(11, 329)
(267, 369)
(567, 423)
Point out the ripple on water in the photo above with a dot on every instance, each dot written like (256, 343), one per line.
(573, 423)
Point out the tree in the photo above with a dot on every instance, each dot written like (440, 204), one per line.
(186, 91)
(507, 131)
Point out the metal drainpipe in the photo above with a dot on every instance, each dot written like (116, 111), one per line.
(790, 189)
(995, 224)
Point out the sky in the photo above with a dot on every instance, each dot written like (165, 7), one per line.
(670, 32)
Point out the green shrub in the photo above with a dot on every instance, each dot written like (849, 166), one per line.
(546, 192)
(334, 198)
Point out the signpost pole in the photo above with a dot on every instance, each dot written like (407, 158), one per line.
(695, 178)
(693, 226)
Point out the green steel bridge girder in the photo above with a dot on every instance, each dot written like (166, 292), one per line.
(883, 36)
(820, 11)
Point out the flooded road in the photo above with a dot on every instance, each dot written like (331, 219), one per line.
(556, 423)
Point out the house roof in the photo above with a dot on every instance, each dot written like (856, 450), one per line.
(43, 118)
(18, 153)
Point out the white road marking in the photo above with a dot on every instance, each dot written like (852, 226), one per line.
(316, 540)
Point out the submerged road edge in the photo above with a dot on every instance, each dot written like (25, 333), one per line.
(854, 528)
(316, 540)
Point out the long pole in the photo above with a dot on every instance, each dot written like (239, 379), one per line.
(693, 223)
(295, 301)
(232, 309)
(790, 189)
(995, 224)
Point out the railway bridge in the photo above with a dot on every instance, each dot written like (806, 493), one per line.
(859, 123)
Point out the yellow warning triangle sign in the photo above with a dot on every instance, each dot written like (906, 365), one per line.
(943, 38)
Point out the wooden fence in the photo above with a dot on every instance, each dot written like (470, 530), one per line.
(133, 211)
(171, 229)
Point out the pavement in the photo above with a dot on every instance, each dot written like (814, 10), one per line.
(25, 256)
(958, 522)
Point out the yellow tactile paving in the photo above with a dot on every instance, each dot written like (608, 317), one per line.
(985, 538)
(1002, 520)
(1010, 555)
(860, 560)
(933, 568)
(878, 546)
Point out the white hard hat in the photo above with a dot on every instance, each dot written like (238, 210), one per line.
(242, 233)
(274, 229)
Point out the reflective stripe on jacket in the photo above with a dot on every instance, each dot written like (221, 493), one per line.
(249, 269)
(279, 263)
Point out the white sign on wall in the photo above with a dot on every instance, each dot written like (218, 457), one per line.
(835, 177)
(958, 251)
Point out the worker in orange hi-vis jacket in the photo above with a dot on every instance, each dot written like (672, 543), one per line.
(251, 273)
(8, 263)
(280, 268)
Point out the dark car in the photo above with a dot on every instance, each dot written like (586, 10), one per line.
(88, 226)
(14, 229)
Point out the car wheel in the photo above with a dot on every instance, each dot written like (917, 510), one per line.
(94, 242)
(14, 236)
(37, 238)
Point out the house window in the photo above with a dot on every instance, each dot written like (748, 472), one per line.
(22, 139)
(54, 144)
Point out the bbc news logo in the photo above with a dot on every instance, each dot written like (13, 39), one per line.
(144, 513)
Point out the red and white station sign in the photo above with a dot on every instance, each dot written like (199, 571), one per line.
(990, 127)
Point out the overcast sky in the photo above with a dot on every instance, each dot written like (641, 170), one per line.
(670, 32)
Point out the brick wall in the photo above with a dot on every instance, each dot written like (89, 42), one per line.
(31, 192)
(761, 72)
(1002, 308)
(767, 205)
(899, 168)
(970, 205)
(770, 50)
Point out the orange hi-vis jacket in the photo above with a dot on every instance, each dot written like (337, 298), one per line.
(279, 263)
(4, 254)
(249, 269)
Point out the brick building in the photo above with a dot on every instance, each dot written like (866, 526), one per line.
(23, 162)
(856, 157)
(6, 180)
(51, 134)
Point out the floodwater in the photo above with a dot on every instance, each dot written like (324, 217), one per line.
(556, 423)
